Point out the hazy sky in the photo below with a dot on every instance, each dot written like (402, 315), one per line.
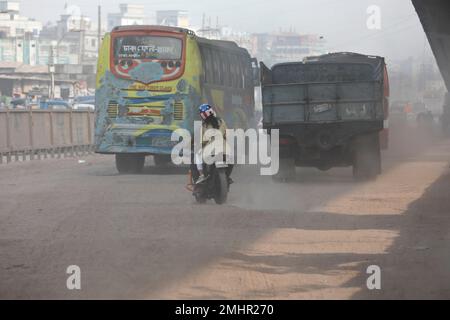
(341, 22)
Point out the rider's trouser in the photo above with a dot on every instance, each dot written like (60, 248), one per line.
(197, 166)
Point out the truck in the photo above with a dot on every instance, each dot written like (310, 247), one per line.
(330, 110)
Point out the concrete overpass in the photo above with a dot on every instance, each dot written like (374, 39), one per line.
(435, 18)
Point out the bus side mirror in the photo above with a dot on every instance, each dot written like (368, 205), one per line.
(256, 73)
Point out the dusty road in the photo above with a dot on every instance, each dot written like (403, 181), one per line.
(141, 236)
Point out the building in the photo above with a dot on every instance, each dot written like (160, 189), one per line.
(417, 80)
(130, 14)
(279, 47)
(18, 35)
(12, 24)
(73, 39)
(10, 6)
(20, 80)
(271, 48)
(22, 50)
(172, 18)
(71, 45)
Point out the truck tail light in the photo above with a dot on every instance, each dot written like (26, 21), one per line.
(286, 141)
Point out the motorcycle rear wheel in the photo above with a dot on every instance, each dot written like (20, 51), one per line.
(221, 187)
(200, 199)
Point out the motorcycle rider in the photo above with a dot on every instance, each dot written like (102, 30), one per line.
(210, 120)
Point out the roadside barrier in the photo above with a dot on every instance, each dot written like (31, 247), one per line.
(40, 134)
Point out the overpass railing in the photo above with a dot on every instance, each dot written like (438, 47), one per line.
(36, 134)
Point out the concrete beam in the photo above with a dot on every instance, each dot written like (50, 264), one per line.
(435, 18)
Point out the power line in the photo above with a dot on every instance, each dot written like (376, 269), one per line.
(380, 33)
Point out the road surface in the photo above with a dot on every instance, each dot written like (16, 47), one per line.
(143, 237)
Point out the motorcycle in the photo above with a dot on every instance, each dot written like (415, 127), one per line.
(216, 186)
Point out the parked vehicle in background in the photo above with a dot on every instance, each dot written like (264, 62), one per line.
(54, 105)
(84, 103)
(40, 104)
(19, 103)
(330, 111)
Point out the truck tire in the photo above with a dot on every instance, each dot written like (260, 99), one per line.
(286, 172)
(130, 163)
(366, 157)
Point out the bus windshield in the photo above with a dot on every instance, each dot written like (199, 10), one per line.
(147, 47)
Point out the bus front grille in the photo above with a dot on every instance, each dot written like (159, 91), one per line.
(113, 110)
(178, 111)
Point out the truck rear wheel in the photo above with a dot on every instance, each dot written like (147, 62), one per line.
(286, 172)
(366, 157)
(130, 163)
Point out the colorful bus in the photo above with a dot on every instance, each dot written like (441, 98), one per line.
(150, 82)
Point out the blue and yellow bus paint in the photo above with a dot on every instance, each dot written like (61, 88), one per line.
(139, 115)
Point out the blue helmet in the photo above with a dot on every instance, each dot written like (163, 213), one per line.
(206, 111)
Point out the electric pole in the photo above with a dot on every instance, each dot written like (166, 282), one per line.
(99, 40)
(82, 39)
(203, 24)
(51, 69)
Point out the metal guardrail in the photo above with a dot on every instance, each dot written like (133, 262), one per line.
(37, 134)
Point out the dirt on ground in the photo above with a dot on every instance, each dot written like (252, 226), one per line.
(143, 236)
